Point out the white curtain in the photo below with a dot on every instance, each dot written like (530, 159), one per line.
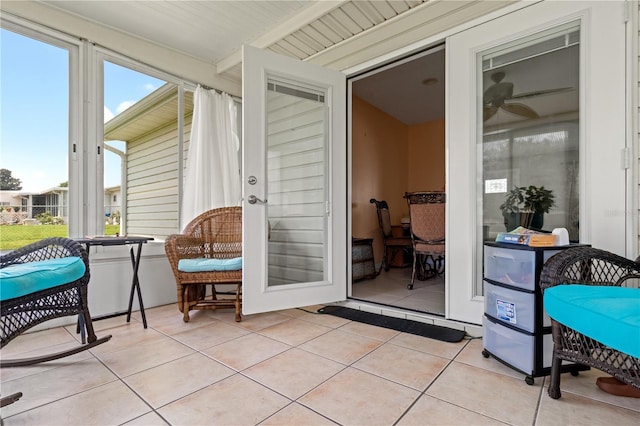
(212, 175)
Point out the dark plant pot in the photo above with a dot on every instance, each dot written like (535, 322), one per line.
(528, 220)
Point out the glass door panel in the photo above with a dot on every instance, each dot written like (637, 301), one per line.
(530, 134)
(296, 184)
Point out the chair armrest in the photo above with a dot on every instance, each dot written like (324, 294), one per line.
(180, 246)
(589, 266)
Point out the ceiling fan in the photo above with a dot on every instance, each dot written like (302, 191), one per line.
(499, 93)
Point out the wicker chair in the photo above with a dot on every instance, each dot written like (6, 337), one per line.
(392, 239)
(593, 267)
(28, 309)
(215, 234)
(427, 214)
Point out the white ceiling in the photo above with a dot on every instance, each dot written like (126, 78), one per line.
(214, 31)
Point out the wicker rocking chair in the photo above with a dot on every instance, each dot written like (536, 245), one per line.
(41, 281)
(606, 286)
(212, 243)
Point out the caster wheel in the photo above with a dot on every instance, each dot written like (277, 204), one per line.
(529, 380)
(485, 354)
(410, 286)
(575, 373)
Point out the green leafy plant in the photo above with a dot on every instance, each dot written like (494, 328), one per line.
(528, 199)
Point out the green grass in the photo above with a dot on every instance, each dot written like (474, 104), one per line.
(16, 236)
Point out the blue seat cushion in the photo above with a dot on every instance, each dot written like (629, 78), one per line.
(210, 265)
(26, 278)
(610, 315)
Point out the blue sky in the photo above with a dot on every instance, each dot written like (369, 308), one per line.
(34, 105)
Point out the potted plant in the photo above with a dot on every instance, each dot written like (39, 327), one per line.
(526, 206)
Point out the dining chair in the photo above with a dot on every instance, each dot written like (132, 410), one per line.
(392, 239)
(427, 225)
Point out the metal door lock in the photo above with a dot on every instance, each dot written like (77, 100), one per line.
(253, 199)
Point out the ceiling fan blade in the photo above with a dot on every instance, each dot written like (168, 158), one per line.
(488, 112)
(520, 109)
(542, 92)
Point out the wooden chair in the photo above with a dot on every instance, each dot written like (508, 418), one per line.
(392, 239)
(41, 281)
(208, 252)
(597, 294)
(427, 215)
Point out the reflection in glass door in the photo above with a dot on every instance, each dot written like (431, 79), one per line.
(530, 134)
(296, 188)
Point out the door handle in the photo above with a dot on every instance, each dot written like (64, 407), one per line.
(253, 199)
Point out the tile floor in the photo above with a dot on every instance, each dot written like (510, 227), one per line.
(390, 288)
(291, 367)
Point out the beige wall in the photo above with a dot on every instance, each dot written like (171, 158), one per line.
(426, 157)
(390, 158)
(379, 162)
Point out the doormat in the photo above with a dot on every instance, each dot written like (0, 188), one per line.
(431, 331)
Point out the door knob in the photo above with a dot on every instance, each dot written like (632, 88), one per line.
(253, 199)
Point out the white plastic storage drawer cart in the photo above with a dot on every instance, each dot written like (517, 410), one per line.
(516, 329)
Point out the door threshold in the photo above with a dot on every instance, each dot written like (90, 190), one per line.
(473, 330)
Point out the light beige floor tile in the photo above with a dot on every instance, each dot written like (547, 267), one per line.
(256, 322)
(139, 357)
(294, 331)
(110, 404)
(573, 409)
(353, 397)
(102, 326)
(149, 419)
(209, 335)
(171, 322)
(431, 346)
(289, 374)
(585, 385)
(342, 347)
(368, 330)
(293, 313)
(490, 394)
(32, 341)
(176, 379)
(125, 336)
(246, 351)
(472, 355)
(431, 411)
(53, 384)
(323, 319)
(236, 400)
(402, 365)
(296, 414)
(17, 372)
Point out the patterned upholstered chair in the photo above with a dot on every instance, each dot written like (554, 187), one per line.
(208, 253)
(393, 241)
(427, 215)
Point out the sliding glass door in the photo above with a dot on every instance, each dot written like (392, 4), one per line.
(540, 144)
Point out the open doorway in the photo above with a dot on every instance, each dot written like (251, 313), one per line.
(398, 146)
